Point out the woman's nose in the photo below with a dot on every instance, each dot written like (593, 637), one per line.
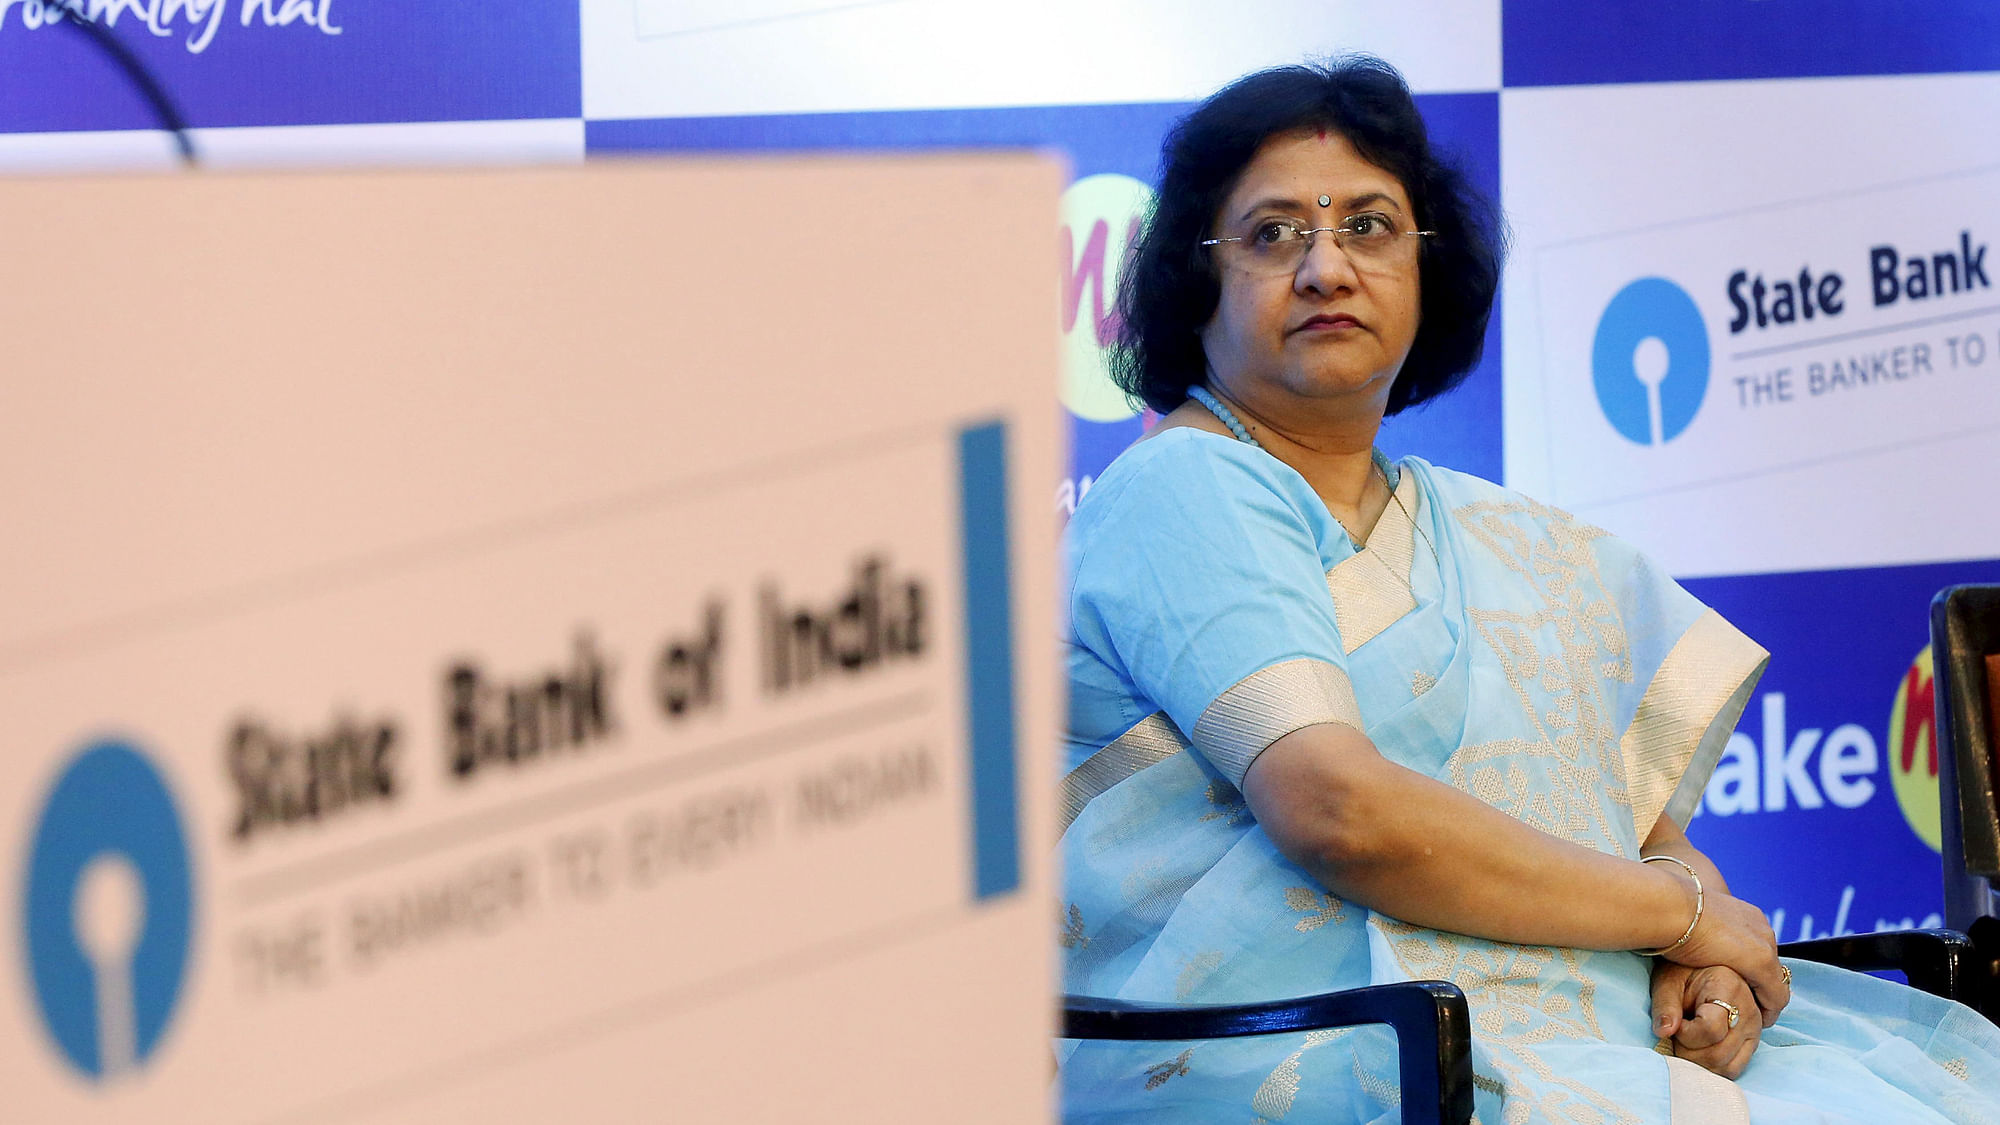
(1325, 267)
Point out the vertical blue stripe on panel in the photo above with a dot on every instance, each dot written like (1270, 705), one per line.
(989, 659)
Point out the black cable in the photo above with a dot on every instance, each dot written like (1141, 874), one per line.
(149, 88)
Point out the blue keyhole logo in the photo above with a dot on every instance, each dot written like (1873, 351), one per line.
(1649, 362)
(107, 1001)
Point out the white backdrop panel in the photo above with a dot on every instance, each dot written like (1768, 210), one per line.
(1691, 183)
(653, 58)
(447, 143)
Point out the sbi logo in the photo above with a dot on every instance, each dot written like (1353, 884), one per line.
(109, 910)
(1649, 361)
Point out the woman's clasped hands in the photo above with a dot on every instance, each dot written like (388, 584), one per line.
(1715, 993)
(1708, 1016)
(1735, 935)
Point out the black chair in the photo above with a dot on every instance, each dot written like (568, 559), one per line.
(1433, 1033)
(1965, 651)
(1433, 1037)
(1432, 1024)
(1940, 962)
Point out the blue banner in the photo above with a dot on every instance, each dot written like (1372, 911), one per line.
(291, 62)
(1824, 810)
(1578, 42)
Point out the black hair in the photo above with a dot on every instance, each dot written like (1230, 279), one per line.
(1170, 286)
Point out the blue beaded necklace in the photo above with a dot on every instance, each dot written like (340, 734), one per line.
(1222, 413)
(1390, 474)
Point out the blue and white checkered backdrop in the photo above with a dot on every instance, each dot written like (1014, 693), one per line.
(1794, 197)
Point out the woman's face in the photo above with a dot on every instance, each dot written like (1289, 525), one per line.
(1336, 329)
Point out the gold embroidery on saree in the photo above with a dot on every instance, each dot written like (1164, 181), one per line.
(1158, 1073)
(1563, 653)
(1514, 1011)
(1567, 806)
(1570, 1103)
(1073, 935)
(1377, 1087)
(1230, 808)
(1198, 969)
(1319, 907)
(1275, 1095)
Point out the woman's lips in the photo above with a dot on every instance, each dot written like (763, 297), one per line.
(1327, 322)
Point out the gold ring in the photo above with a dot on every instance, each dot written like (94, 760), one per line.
(1786, 972)
(1734, 1015)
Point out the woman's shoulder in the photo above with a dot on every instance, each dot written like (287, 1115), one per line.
(1185, 493)
(1180, 468)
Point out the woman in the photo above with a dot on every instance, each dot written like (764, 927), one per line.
(1472, 761)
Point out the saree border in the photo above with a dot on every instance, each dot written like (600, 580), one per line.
(1148, 742)
(1686, 717)
(1699, 1097)
(1370, 588)
(1269, 704)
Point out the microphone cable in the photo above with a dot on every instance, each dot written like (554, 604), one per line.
(128, 62)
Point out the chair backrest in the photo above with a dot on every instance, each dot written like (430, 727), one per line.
(1965, 650)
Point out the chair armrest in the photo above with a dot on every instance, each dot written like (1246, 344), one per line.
(1433, 1032)
(1984, 933)
(1937, 961)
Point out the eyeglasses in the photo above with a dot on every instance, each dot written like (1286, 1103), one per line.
(1276, 247)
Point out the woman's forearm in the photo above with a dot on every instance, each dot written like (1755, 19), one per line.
(1416, 849)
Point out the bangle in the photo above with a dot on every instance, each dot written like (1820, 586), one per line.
(1661, 952)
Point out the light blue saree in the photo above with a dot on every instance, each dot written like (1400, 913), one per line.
(1485, 640)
